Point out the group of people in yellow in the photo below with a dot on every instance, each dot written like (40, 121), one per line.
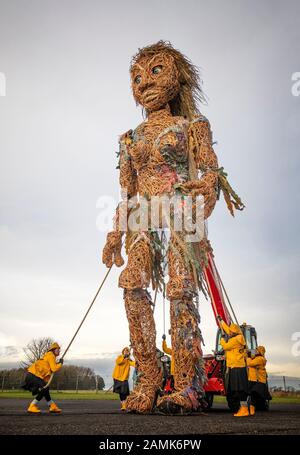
(245, 376)
(39, 373)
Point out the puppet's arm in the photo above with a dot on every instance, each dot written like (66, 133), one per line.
(213, 179)
(128, 182)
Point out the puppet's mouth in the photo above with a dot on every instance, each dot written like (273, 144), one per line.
(149, 96)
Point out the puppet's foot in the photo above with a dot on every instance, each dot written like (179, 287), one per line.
(177, 403)
(142, 399)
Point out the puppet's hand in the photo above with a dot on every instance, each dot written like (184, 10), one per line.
(112, 250)
(207, 187)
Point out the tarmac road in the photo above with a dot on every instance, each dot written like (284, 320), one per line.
(103, 417)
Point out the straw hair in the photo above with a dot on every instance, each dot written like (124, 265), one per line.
(190, 93)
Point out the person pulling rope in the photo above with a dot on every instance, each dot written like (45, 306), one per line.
(37, 376)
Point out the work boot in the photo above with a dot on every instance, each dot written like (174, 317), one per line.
(242, 412)
(54, 408)
(252, 410)
(123, 407)
(33, 409)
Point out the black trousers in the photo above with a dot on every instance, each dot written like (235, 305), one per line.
(236, 381)
(36, 386)
(122, 388)
(259, 390)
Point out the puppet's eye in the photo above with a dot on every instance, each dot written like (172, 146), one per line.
(156, 69)
(138, 79)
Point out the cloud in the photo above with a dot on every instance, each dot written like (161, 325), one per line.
(59, 135)
(8, 352)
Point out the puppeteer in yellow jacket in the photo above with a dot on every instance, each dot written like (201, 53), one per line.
(37, 377)
(44, 367)
(169, 351)
(236, 373)
(257, 366)
(235, 347)
(122, 368)
(121, 375)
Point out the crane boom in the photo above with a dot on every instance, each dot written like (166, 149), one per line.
(215, 291)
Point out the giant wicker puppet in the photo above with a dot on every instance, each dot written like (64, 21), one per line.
(170, 152)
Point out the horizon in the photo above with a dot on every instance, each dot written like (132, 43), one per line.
(67, 99)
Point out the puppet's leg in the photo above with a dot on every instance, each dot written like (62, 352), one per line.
(134, 279)
(185, 336)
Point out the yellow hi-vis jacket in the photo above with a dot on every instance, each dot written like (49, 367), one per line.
(234, 351)
(235, 347)
(257, 369)
(168, 351)
(44, 367)
(122, 368)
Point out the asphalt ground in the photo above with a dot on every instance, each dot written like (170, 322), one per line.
(103, 417)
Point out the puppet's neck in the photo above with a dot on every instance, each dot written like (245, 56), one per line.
(163, 112)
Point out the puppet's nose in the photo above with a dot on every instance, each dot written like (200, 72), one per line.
(146, 85)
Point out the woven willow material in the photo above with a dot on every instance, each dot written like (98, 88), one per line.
(170, 153)
(139, 313)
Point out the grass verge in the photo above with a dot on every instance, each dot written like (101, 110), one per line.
(102, 395)
(65, 395)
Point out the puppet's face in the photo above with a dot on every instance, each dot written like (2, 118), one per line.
(155, 81)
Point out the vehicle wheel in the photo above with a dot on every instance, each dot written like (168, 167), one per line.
(209, 398)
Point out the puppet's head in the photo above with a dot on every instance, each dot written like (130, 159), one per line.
(161, 76)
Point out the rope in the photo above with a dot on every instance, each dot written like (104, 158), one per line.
(87, 312)
(82, 321)
(164, 313)
(156, 288)
(155, 296)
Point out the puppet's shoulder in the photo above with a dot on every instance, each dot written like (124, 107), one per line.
(126, 138)
(200, 128)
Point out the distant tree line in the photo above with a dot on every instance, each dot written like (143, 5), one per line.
(70, 377)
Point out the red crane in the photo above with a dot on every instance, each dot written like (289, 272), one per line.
(215, 365)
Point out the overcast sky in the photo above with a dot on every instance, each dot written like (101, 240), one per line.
(67, 100)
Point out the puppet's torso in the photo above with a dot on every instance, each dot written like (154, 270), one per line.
(159, 154)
